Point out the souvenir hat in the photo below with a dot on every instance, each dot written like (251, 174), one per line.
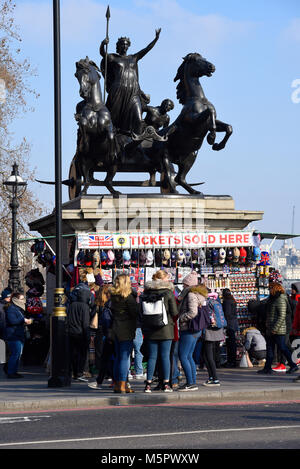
(243, 255)
(142, 257)
(157, 256)
(180, 255)
(149, 258)
(110, 257)
(202, 256)
(134, 256)
(103, 257)
(166, 256)
(195, 255)
(126, 257)
(222, 255)
(236, 255)
(229, 255)
(214, 256)
(96, 259)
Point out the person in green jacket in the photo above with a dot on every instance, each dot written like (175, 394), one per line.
(159, 340)
(276, 309)
(124, 308)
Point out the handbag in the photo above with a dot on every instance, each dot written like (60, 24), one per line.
(94, 322)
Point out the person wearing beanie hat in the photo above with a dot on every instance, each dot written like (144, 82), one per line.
(190, 280)
(191, 298)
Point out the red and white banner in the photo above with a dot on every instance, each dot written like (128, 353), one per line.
(188, 240)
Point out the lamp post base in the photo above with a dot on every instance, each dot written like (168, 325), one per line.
(59, 356)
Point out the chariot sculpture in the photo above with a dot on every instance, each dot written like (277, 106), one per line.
(124, 133)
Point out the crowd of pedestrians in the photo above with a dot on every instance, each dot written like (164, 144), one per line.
(170, 334)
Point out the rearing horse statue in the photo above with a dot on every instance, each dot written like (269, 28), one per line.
(196, 120)
(92, 115)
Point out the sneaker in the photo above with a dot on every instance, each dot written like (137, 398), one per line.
(293, 369)
(191, 387)
(83, 379)
(95, 385)
(175, 386)
(142, 376)
(212, 382)
(166, 388)
(147, 387)
(280, 368)
(130, 377)
(297, 380)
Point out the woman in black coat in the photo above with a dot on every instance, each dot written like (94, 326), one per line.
(229, 308)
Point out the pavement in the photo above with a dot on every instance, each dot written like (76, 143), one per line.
(31, 393)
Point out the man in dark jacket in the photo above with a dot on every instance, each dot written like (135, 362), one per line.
(79, 332)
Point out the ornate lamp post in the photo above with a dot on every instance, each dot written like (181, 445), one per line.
(16, 187)
(60, 372)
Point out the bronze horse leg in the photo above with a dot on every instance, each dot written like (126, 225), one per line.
(222, 127)
(183, 168)
(110, 174)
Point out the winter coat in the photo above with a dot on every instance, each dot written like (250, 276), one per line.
(124, 317)
(191, 299)
(296, 321)
(15, 323)
(3, 306)
(154, 291)
(254, 340)
(79, 314)
(276, 310)
(229, 308)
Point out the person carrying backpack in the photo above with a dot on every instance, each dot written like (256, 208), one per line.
(213, 335)
(191, 299)
(158, 329)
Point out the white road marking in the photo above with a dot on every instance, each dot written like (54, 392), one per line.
(29, 418)
(150, 435)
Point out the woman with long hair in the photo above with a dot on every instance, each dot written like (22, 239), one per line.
(124, 310)
(104, 347)
(276, 310)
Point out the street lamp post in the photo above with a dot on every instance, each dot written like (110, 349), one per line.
(16, 187)
(59, 367)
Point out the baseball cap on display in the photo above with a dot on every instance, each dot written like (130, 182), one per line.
(222, 255)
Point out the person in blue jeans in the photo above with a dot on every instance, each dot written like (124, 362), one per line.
(138, 356)
(124, 308)
(191, 298)
(15, 333)
(159, 340)
(187, 344)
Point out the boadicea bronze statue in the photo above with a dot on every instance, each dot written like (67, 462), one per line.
(114, 136)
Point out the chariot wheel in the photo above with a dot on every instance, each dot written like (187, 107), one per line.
(75, 187)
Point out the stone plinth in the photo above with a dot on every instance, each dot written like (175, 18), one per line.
(98, 213)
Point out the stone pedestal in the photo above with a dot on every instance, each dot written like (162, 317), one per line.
(130, 213)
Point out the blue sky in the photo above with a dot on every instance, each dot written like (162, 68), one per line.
(255, 47)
